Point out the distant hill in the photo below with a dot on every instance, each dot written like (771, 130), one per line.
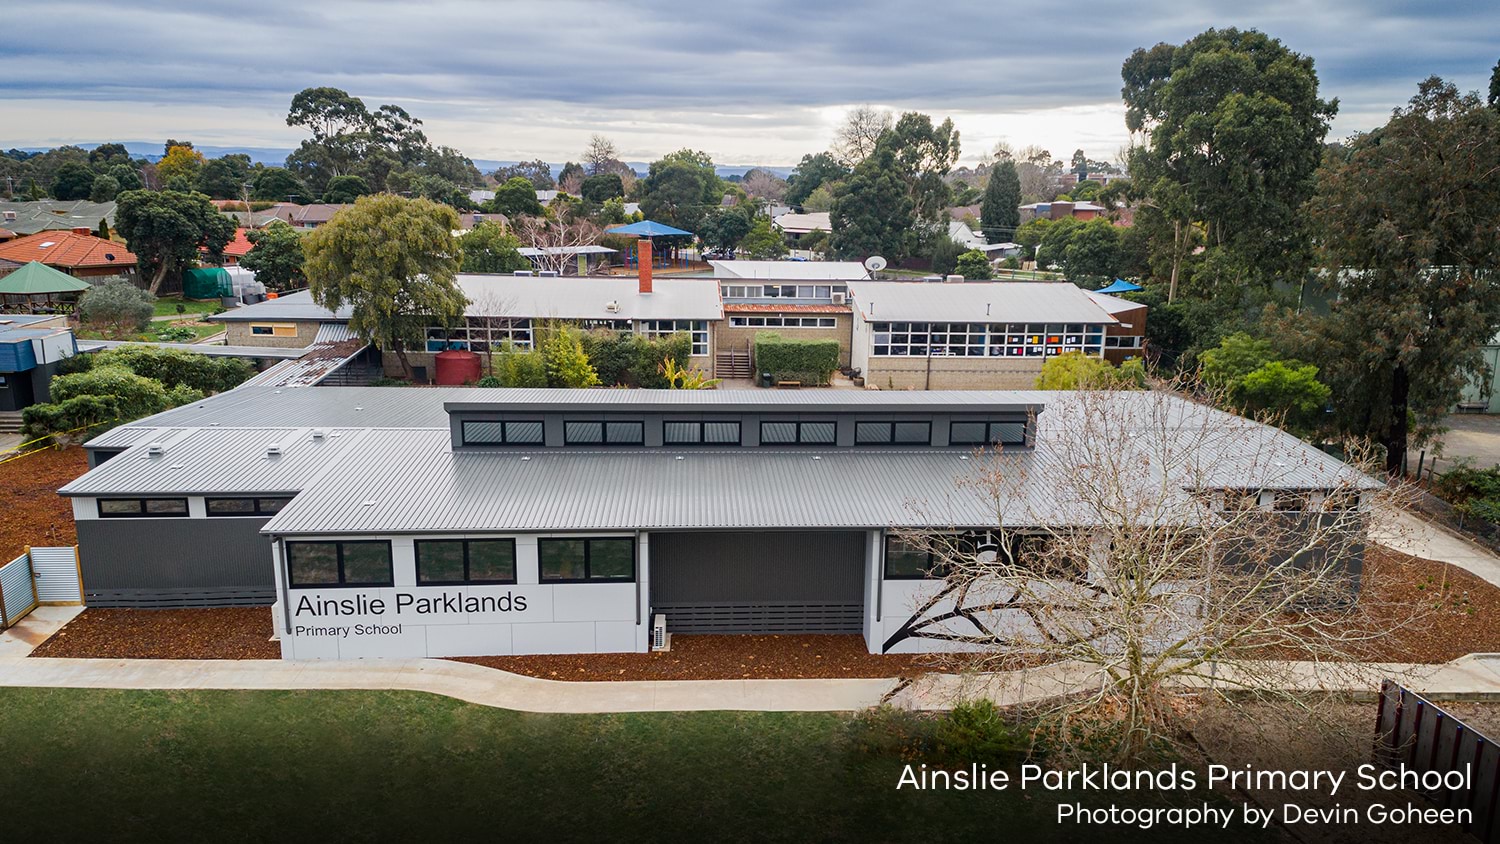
(276, 156)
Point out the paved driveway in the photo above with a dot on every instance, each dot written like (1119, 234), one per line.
(1470, 435)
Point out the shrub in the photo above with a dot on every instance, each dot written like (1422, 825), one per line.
(99, 395)
(175, 334)
(173, 367)
(489, 381)
(82, 411)
(1078, 371)
(974, 264)
(515, 367)
(117, 308)
(808, 361)
(563, 355)
(623, 358)
(181, 308)
(976, 731)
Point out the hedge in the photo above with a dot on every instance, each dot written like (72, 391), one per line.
(622, 358)
(808, 361)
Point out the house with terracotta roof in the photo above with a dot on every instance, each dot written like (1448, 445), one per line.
(235, 249)
(78, 253)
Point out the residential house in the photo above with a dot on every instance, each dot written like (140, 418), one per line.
(78, 253)
(794, 227)
(55, 215)
(32, 348)
(1059, 210)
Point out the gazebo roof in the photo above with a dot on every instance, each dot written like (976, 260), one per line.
(649, 228)
(38, 279)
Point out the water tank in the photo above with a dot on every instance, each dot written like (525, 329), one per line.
(455, 367)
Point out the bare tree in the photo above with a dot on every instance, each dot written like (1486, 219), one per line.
(572, 184)
(1155, 554)
(557, 241)
(763, 184)
(599, 154)
(855, 138)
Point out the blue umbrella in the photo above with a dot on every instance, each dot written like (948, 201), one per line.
(1120, 285)
(649, 228)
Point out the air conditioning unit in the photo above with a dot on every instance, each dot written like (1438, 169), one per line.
(840, 298)
(522, 272)
(612, 306)
(660, 641)
(548, 273)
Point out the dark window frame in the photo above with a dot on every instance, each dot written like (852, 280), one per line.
(208, 506)
(799, 423)
(504, 432)
(989, 432)
(701, 425)
(339, 551)
(604, 426)
(141, 512)
(587, 560)
(931, 572)
(468, 578)
(891, 433)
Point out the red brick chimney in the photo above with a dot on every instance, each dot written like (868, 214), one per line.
(82, 230)
(643, 264)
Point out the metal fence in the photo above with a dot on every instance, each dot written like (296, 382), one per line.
(17, 591)
(1414, 731)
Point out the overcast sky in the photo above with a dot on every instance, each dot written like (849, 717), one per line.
(760, 82)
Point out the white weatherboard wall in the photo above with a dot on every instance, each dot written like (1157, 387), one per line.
(407, 620)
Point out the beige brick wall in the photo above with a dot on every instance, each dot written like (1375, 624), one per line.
(238, 334)
(953, 374)
(730, 337)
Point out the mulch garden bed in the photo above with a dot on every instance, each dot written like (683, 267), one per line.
(219, 633)
(1464, 618)
(712, 657)
(31, 511)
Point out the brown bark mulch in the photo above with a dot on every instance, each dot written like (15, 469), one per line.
(1463, 617)
(31, 511)
(715, 657)
(218, 633)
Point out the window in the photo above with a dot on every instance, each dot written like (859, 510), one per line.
(610, 559)
(904, 561)
(245, 506)
(782, 321)
(481, 334)
(987, 433)
(1293, 502)
(273, 329)
(604, 433)
(138, 508)
(892, 433)
(700, 433)
(507, 432)
(466, 561)
(797, 433)
(360, 563)
(697, 329)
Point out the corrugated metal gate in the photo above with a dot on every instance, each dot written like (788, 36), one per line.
(55, 573)
(761, 582)
(1414, 731)
(17, 591)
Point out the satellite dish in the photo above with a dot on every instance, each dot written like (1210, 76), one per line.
(874, 263)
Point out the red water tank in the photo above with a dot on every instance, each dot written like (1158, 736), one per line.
(455, 367)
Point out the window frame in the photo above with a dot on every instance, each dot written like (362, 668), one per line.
(141, 511)
(702, 427)
(833, 443)
(989, 428)
(588, 559)
(468, 579)
(339, 551)
(505, 439)
(931, 572)
(891, 432)
(604, 429)
(258, 511)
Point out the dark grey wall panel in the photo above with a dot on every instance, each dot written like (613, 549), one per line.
(759, 582)
(175, 562)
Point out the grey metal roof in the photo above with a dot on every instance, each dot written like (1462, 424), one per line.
(750, 401)
(790, 270)
(296, 307)
(587, 249)
(224, 460)
(210, 349)
(496, 295)
(128, 435)
(333, 332)
(978, 301)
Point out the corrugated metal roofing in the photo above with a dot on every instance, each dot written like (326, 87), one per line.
(222, 460)
(790, 270)
(334, 332)
(289, 306)
(976, 301)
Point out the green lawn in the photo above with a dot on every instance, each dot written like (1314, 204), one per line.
(199, 332)
(230, 766)
(167, 306)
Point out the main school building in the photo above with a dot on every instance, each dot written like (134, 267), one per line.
(459, 521)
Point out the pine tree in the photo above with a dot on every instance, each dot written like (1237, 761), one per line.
(1000, 214)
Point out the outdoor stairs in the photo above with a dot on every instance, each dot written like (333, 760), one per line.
(10, 422)
(734, 363)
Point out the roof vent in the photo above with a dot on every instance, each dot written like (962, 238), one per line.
(953, 279)
(548, 273)
(522, 272)
(319, 433)
(155, 449)
(273, 450)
